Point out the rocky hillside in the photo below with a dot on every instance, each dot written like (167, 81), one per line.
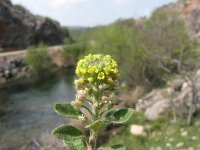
(180, 97)
(189, 10)
(19, 28)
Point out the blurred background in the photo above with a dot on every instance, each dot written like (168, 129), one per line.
(155, 42)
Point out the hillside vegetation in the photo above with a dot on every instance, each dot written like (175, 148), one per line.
(148, 50)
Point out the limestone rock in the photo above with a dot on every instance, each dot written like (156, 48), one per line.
(180, 145)
(176, 98)
(157, 110)
(137, 130)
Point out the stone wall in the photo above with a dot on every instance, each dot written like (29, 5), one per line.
(12, 65)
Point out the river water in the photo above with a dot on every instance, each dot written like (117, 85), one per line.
(30, 110)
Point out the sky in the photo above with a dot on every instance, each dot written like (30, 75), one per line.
(90, 13)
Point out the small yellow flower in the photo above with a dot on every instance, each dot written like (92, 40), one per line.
(107, 70)
(101, 76)
(78, 72)
(91, 70)
(108, 57)
(81, 80)
(100, 67)
(82, 71)
(90, 79)
(114, 63)
(96, 70)
(115, 71)
(110, 80)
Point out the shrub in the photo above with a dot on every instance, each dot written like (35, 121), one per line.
(73, 51)
(155, 49)
(39, 60)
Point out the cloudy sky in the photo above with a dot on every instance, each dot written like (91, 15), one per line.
(91, 12)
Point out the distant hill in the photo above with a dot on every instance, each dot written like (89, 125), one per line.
(76, 31)
(76, 28)
(19, 28)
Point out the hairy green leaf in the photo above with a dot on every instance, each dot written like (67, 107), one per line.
(109, 115)
(120, 116)
(97, 125)
(114, 147)
(67, 110)
(76, 144)
(67, 132)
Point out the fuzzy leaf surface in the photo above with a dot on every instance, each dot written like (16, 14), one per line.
(68, 133)
(76, 144)
(120, 116)
(67, 110)
(97, 125)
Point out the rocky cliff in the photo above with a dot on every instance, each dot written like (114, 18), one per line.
(189, 10)
(19, 28)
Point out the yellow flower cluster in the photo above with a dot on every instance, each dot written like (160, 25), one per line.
(97, 69)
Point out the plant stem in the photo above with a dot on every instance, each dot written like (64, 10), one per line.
(89, 111)
(92, 141)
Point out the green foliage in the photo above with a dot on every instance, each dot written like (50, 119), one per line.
(39, 60)
(121, 115)
(76, 144)
(148, 51)
(73, 51)
(158, 134)
(114, 147)
(113, 40)
(67, 110)
(96, 85)
(68, 133)
(96, 126)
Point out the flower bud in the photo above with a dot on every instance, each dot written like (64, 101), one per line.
(81, 95)
(100, 87)
(105, 86)
(95, 104)
(112, 96)
(77, 103)
(82, 98)
(78, 85)
(104, 98)
(82, 118)
(88, 90)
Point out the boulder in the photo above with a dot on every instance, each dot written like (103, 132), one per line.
(157, 110)
(177, 84)
(176, 98)
(137, 129)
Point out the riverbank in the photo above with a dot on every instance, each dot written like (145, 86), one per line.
(13, 66)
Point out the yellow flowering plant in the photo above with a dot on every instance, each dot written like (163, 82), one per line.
(96, 86)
